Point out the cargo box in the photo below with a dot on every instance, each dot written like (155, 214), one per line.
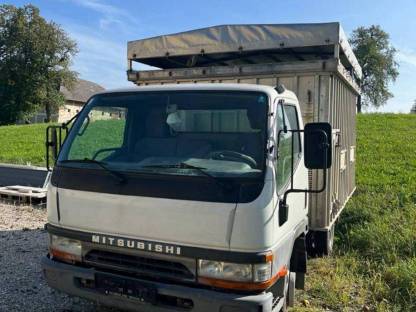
(313, 60)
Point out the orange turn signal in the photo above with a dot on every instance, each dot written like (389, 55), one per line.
(64, 256)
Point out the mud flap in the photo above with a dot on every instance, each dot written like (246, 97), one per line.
(298, 261)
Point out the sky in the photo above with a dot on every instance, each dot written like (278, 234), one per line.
(102, 28)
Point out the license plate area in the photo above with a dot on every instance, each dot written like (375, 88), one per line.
(127, 288)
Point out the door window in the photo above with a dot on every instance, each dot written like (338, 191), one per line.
(284, 161)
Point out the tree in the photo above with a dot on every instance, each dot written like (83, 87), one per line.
(413, 109)
(35, 56)
(377, 58)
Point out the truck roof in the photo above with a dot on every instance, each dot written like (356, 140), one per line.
(205, 86)
(246, 44)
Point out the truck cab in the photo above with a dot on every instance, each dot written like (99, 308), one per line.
(184, 197)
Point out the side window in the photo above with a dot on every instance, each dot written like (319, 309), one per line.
(293, 122)
(283, 163)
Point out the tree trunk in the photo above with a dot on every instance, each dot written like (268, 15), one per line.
(359, 105)
(48, 112)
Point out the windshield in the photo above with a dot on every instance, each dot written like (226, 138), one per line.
(180, 133)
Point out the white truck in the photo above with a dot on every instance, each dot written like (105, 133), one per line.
(191, 196)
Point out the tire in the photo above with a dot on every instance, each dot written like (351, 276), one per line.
(320, 243)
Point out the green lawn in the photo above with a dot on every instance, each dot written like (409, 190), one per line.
(23, 144)
(374, 266)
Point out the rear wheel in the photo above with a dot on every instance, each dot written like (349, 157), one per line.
(320, 243)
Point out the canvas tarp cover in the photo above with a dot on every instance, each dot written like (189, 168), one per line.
(244, 38)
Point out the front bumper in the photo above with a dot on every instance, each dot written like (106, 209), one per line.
(66, 278)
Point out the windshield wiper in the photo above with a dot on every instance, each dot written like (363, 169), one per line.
(184, 165)
(115, 174)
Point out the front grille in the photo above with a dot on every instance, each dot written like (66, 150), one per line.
(139, 265)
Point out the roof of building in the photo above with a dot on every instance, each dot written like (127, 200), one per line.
(81, 91)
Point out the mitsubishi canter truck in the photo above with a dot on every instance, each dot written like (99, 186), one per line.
(202, 188)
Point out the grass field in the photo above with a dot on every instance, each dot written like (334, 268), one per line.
(23, 144)
(374, 266)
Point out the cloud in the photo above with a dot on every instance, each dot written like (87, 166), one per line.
(100, 7)
(407, 56)
(101, 59)
(111, 16)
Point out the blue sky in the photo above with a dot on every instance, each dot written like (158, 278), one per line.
(103, 27)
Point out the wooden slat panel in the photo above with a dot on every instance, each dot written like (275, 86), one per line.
(305, 93)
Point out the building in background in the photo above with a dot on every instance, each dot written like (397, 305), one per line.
(74, 101)
(76, 98)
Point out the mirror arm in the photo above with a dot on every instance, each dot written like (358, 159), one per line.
(292, 190)
(292, 141)
(54, 140)
(47, 145)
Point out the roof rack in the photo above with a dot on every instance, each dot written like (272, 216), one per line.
(233, 45)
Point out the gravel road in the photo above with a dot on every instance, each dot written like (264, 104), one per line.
(22, 244)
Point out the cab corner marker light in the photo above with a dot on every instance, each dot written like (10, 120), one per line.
(269, 256)
(283, 271)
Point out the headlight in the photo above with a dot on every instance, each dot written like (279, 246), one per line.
(65, 249)
(235, 275)
(225, 270)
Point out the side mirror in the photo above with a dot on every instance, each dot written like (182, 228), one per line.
(318, 155)
(318, 145)
(53, 143)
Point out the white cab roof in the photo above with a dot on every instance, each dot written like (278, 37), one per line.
(206, 86)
